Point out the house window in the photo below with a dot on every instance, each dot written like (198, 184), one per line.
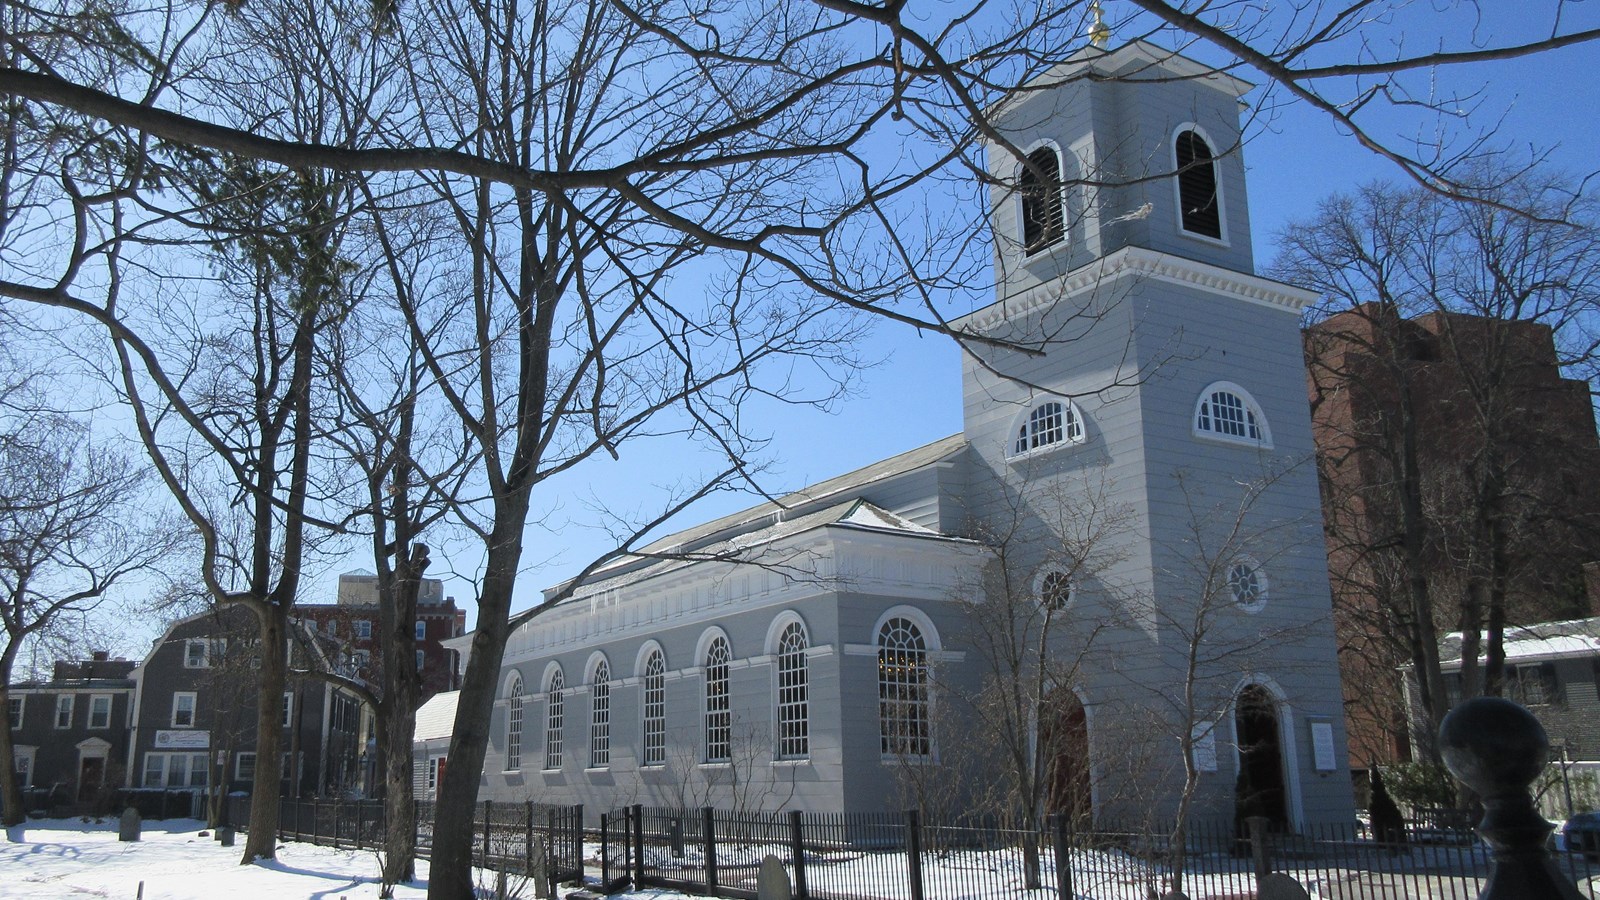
(1532, 685)
(435, 769)
(600, 717)
(1051, 422)
(183, 709)
(655, 710)
(1248, 585)
(155, 769)
(288, 708)
(244, 768)
(100, 711)
(903, 723)
(794, 719)
(363, 659)
(195, 655)
(422, 659)
(1199, 210)
(14, 709)
(719, 713)
(1043, 216)
(514, 724)
(363, 629)
(333, 628)
(22, 761)
(176, 770)
(422, 629)
(554, 711)
(64, 711)
(1225, 411)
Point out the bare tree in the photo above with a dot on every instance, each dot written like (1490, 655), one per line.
(71, 533)
(1444, 424)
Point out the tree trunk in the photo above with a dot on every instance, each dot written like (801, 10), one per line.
(12, 811)
(397, 716)
(262, 840)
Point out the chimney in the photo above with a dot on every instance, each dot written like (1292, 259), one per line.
(101, 655)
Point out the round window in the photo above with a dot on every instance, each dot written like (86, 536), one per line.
(1055, 591)
(1248, 585)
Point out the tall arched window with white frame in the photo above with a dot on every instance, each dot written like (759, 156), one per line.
(655, 710)
(555, 709)
(514, 724)
(600, 717)
(1200, 209)
(904, 725)
(794, 713)
(719, 710)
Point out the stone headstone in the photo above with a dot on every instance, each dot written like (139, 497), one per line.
(1279, 886)
(128, 828)
(773, 881)
(225, 835)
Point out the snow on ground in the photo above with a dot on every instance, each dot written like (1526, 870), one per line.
(66, 859)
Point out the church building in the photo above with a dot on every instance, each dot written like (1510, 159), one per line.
(1132, 496)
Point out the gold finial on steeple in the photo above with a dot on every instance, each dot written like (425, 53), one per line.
(1099, 31)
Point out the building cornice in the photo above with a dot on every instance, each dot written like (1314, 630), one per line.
(1138, 262)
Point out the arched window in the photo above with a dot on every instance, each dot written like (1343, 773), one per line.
(1051, 422)
(514, 724)
(655, 710)
(554, 709)
(600, 717)
(1043, 216)
(794, 718)
(1198, 206)
(903, 722)
(1226, 411)
(1248, 585)
(719, 712)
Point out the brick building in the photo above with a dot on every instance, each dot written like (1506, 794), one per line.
(353, 619)
(1542, 433)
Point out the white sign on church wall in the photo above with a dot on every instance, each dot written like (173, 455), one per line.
(183, 740)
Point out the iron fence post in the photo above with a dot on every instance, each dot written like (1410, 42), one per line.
(638, 845)
(577, 838)
(709, 817)
(550, 859)
(605, 850)
(336, 823)
(797, 847)
(527, 839)
(488, 808)
(914, 851)
(1063, 857)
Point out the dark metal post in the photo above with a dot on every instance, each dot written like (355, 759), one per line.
(638, 845)
(550, 859)
(605, 850)
(336, 823)
(797, 848)
(577, 838)
(1062, 844)
(1258, 847)
(488, 808)
(527, 840)
(914, 851)
(709, 817)
(1497, 748)
(358, 824)
(316, 819)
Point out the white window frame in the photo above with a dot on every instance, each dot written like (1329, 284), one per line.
(94, 701)
(1204, 405)
(600, 715)
(1021, 208)
(1072, 429)
(717, 696)
(288, 708)
(16, 710)
(1221, 238)
(514, 710)
(792, 692)
(554, 721)
(905, 703)
(22, 759)
(363, 629)
(1262, 587)
(422, 660)
(191, 660)
(240, 772)
(1048, 581)
(421, 630)
(177, 706)
(66, 704)
(653, 706)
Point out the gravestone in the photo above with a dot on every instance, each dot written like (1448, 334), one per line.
(128, 828)
(1278, 886)
(225, 835)
(773, 881)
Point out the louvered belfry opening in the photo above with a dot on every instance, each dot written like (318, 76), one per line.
(1197, 186)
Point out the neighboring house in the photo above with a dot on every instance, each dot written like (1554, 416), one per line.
(70, 734)
(431, 740)
(806, 653)
(1356, 362)
(354, 621)
(1552, 668)
(194, 719)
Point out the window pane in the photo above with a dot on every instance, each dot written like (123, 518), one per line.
(655, 710)
(903, 690)
(793, 708)
(719, 715)
(600, 718)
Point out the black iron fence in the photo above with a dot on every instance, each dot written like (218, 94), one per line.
(903, 857)
(524, 838)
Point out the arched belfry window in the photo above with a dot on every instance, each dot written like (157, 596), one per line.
(1227, 412)
(1047, 424)
(1199, 207)
(904, 725)
(1043, 213)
